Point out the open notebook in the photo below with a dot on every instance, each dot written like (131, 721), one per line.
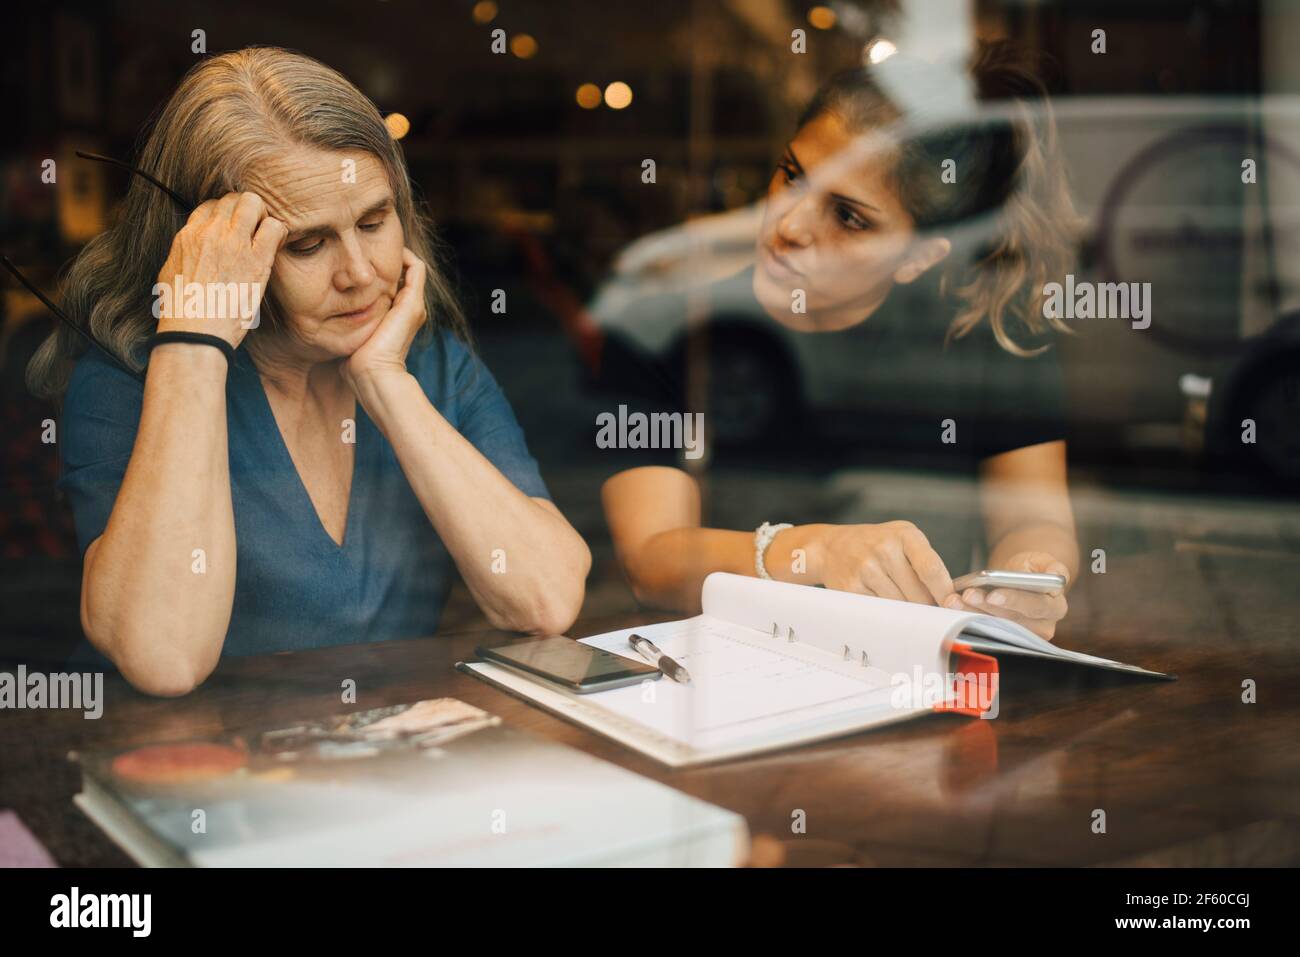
(774, 664)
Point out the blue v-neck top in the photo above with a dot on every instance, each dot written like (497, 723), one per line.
(294, 586)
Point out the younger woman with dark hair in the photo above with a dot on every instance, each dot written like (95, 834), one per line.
(859, 206)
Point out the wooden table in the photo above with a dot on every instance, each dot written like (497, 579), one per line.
(1186, 773)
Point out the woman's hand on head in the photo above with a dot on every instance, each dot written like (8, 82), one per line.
(228, 240)
(1037, 612)
(890, 560)
(384, 353)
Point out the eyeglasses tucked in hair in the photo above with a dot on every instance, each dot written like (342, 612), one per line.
(186, 206)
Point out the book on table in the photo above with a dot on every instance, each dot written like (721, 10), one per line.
(438, 782)
(774, 664)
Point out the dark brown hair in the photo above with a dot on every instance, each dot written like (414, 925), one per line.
(1009, 169)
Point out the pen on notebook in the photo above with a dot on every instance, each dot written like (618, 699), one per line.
(647, 650)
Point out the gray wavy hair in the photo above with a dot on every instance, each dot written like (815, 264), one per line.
(228, 112)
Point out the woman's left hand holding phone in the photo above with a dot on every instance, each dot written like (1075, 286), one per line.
(1037, 612)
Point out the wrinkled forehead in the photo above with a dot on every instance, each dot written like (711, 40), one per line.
(308, 187)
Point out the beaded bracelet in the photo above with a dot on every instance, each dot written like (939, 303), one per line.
(763, 536)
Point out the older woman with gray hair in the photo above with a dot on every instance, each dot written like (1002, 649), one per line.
(305, 469)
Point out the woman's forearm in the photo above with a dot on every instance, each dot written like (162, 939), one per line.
(159, 584)
(1026, 504)
(523, 563)
(1048, 537)
(669, 568)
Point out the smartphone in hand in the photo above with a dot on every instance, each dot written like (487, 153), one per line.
(1038, 582)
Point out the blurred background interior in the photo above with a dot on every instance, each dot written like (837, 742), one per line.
(530, 163)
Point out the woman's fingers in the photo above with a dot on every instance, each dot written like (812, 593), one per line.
(225, 209)
(1026, 603)
(387, 347)
(225, 242)
(889, 574)
(1043, 625)
(411, 295)
(202, 213)
(904, 575)
(877, 579)
(1055, 567)
(248, 212)
(268, 238)
(892, 560)
(855, 585)
(1039, 562)
(925, 561)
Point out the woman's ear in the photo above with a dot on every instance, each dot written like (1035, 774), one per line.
(926, 254)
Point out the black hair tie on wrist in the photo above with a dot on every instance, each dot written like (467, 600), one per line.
(159, 338)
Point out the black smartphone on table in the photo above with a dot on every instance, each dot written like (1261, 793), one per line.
(577, 667)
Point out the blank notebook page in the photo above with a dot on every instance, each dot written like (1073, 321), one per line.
(743, 683)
